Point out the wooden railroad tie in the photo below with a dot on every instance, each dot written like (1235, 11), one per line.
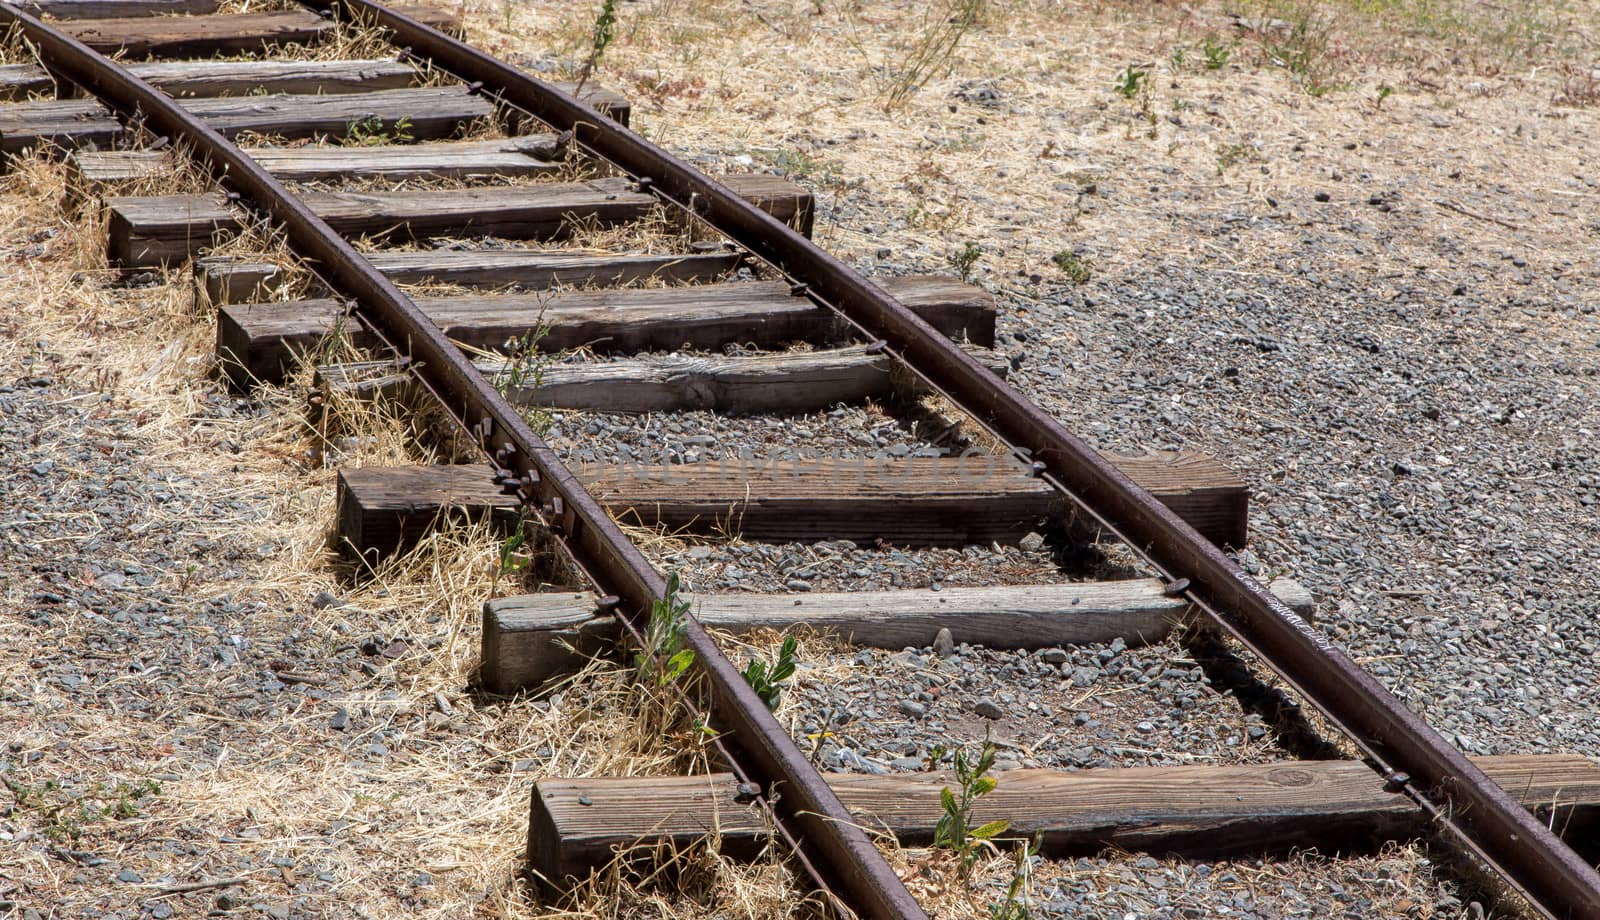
(919, 501)
(209, 34)
(207, 79)
(146, 231)
(95, 171)
(531, 638)
(259, 342)
(227, 280)
(784, 381)
(1203, 812)
(427, 112)
(100, 9)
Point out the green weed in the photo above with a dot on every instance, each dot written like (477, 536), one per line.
(1216, 53)
(767, 680)
(66, 818)
(604, 30)
(954, 830)
(1130, 82)
(1230, 154)
(966, 260)
(370, 132)
(663, 658)
(1077, 269)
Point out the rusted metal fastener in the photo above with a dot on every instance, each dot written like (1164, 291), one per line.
(607, 603)
(799, 290)
(1175, 587)
(747, 793)
(1037, 469)
(475, 87)
(1396, 781)
(876, 347)
(644, 183)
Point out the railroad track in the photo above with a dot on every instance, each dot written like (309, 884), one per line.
(525, 160)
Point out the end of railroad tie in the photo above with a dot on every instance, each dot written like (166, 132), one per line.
(1175, 587)
(1396, 781)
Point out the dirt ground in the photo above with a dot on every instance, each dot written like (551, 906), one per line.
(200, 712)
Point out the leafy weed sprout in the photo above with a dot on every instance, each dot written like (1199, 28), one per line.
(663, 658)
(767, 680)
(1130, 82)
(966, 260)
(954, 830)
(1216, 53)
(370, 132)
(605, 29)
(1077, 269)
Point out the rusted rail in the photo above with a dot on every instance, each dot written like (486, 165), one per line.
(1409, 755)
(823, 829)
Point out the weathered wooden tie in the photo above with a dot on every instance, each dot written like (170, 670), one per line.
(105, 9)
(260, 341)
(531, 638)
(785, 381)
(150, 230)
(919, 501)
(209, 34)
(507, 157)
(231, 78)
(202, 79)
(421, 113)
(146, 231)
(229, 280)
(1202, 812)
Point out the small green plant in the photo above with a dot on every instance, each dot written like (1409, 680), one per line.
(966, 260)
(932, 54)
(768, 681)
(1180, 55)
(525, 363)
(954, 830)
(1130, 82)
(65, 818)
(514, 557)
(370, 132)
(1230, 154)
(1077, 269)
(605, 29)
(1019, 894)
(663, 658)
(1384, 92)
(1216, 53)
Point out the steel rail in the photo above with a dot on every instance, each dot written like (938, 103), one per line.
(829, 837)
(1410, 754)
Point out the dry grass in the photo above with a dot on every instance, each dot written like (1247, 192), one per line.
(448, 797)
